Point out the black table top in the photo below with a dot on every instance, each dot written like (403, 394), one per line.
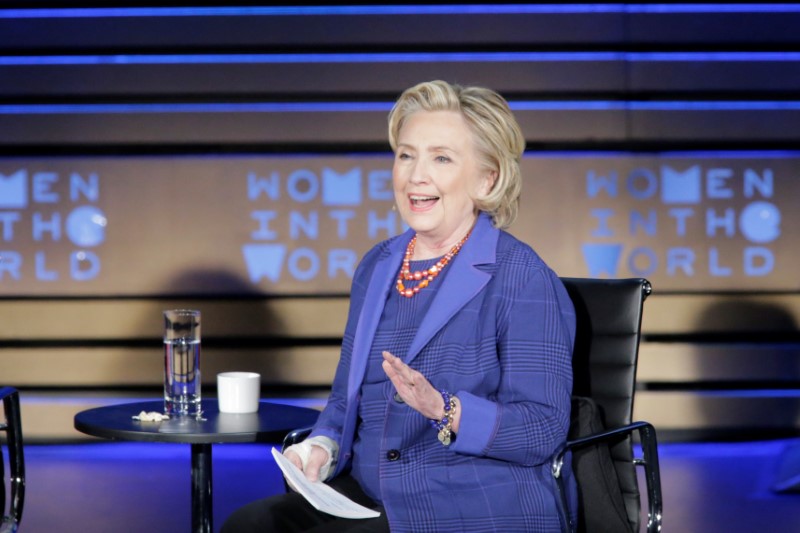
(270, 424)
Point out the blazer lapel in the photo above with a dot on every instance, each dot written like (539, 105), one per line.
(460, 285)
(382, 280)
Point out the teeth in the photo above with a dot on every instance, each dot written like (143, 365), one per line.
(420, 198)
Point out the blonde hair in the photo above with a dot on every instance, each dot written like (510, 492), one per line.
(499, 140)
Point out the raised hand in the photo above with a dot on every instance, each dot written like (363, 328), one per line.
(414, 388)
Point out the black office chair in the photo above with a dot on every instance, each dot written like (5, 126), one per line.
(609, 316)
(16, 461)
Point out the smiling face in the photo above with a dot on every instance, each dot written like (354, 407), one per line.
(436, 175)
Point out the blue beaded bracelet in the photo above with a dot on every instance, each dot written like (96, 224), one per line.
(445, 425)
(439, 424)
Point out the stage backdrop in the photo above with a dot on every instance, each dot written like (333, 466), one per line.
(299, 224)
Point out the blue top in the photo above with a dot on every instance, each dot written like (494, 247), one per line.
(399, 323)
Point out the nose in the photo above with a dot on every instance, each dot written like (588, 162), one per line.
(419, 173)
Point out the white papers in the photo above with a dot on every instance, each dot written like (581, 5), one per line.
(320, 495)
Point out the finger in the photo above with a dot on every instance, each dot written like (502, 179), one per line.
(400, 382)
(391, 361)
(413, 379)
(401, 369)
(318, 458)
(398, 379)
(403, 389)
(294, 459)
(387, 367)
(393, 368)
(391, 374)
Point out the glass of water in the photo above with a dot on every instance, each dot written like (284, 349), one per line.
(182, 362)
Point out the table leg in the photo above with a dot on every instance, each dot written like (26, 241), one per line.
(201, 489)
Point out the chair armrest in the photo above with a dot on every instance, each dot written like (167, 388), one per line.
(607, 435)
(295, 436)
(649, 461)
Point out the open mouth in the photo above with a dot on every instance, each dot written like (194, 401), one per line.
(422, 202)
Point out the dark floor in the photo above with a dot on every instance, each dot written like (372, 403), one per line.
(137, 487)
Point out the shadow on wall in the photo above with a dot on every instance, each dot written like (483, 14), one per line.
(748, 361)
(240, 332)
(209, 283)
(742, 316)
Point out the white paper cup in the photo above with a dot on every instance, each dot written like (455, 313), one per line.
(238, 423)
(238, 392)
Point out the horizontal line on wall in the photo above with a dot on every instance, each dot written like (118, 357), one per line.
(449, 9)
(789, 336)
(219, 149)
(396, 57)
(303, 397)
(714, 106)
(233, 342)
(747, 431)
(249, 107)
(667, 154)
(712, 8)
(739, 389)
(706, 57)
(350, 107)
(454, 9)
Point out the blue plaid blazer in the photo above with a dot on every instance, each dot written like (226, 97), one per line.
(499, 334)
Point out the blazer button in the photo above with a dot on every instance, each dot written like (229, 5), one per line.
(397, 398)
(393, 455)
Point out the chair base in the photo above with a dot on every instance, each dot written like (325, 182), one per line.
(8, 525)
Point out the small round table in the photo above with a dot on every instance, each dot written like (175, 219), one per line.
(269, 425)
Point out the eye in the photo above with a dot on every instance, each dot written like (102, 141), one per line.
(403, 156)
(442, 159)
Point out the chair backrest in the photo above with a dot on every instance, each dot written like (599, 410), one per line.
(16, 459)
(609, 318)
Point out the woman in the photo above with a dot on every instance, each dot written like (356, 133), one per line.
(454, 383)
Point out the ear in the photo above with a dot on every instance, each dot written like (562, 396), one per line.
(487, 182)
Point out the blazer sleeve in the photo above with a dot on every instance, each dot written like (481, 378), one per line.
(529, 416)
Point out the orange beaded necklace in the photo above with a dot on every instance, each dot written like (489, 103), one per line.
(423, 276)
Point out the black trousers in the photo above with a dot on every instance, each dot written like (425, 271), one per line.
(291, 512)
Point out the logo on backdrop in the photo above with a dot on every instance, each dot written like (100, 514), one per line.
(49, 210)
(305, 222)
(703, 211)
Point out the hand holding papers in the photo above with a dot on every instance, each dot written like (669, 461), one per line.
(320, 495)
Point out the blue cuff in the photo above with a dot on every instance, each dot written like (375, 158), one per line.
(477, 426)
